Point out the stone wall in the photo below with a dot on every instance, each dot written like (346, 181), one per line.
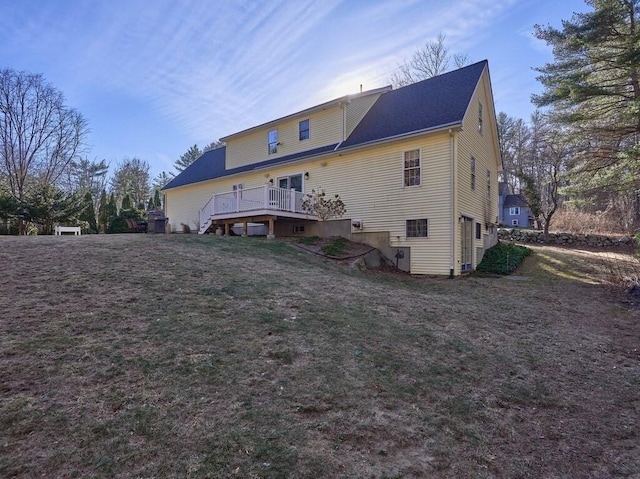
(517, 235)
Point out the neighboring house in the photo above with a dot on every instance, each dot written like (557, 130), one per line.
(514, 210)
(416, 167)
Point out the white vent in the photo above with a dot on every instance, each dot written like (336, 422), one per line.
(356, 225)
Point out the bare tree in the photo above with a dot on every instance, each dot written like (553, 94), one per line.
(430, 60)
(514, 135)
(544, 173)
(39, 135)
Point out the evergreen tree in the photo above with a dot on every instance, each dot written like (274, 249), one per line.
(88, 213)
(112, 211)
(157, 202)
(161, 180)
(187, 158)
(103, 212)
(593, 86)
(126, 202)
(47, 205)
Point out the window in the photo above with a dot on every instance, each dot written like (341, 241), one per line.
(514, 211)
(478, 231)
(473, 173)
(514, 222)
(238, 186)
(298, 228)
(273, 142)
(303, 130)
(480, 118)
(412, 168)
(293, 182)
(417, 228)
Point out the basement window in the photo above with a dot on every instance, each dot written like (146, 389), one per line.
(417, 228)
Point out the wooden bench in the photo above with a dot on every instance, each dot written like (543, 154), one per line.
(68, 229)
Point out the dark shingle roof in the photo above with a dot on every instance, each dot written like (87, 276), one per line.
(429, 104)
(434, 103)
(211, 165)
(514, 200)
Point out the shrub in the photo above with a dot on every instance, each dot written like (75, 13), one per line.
(336, 247)
(503, 258)
(309, 240)
(119, 223)
(317, 203)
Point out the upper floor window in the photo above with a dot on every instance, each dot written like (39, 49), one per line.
(478, 231)
(488, 184)
(303, 130)
(273, 142)
(412, 168)
(473, 173)
(514, 211)
(480, 120)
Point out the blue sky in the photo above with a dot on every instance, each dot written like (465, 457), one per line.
(153, 77)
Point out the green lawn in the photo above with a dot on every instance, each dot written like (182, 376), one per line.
(206, 357)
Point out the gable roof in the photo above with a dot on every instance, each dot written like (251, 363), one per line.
(426, 105)
(437, 102)
(210, 165)
(514, 200)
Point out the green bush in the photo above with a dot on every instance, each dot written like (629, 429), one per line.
(309, 240)
(336, 247)
(503, 258)
(119, 223)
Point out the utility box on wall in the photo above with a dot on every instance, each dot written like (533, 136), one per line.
(356, 225)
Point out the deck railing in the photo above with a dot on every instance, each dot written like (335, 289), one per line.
(251, 199)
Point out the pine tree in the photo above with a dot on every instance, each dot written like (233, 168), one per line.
(593, 87)
(103, 212)
(88, 213)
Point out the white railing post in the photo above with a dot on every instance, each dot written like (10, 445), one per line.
(292, 206)
(266, 196)
(238, 200)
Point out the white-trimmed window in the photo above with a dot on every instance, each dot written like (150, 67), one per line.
(473, 173)
(238, 186)
(412, 168)
(480, 119)
(273, 142)
(488, 184)
(514, 211)
(303, 130)
(417, 228)
(515, 222)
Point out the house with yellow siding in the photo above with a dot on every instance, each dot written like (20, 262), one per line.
(417, 168)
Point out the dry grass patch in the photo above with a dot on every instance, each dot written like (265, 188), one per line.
(189, 356)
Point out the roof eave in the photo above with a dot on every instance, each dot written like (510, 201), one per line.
(457, 125)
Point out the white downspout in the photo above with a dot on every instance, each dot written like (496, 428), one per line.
(453, 206)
